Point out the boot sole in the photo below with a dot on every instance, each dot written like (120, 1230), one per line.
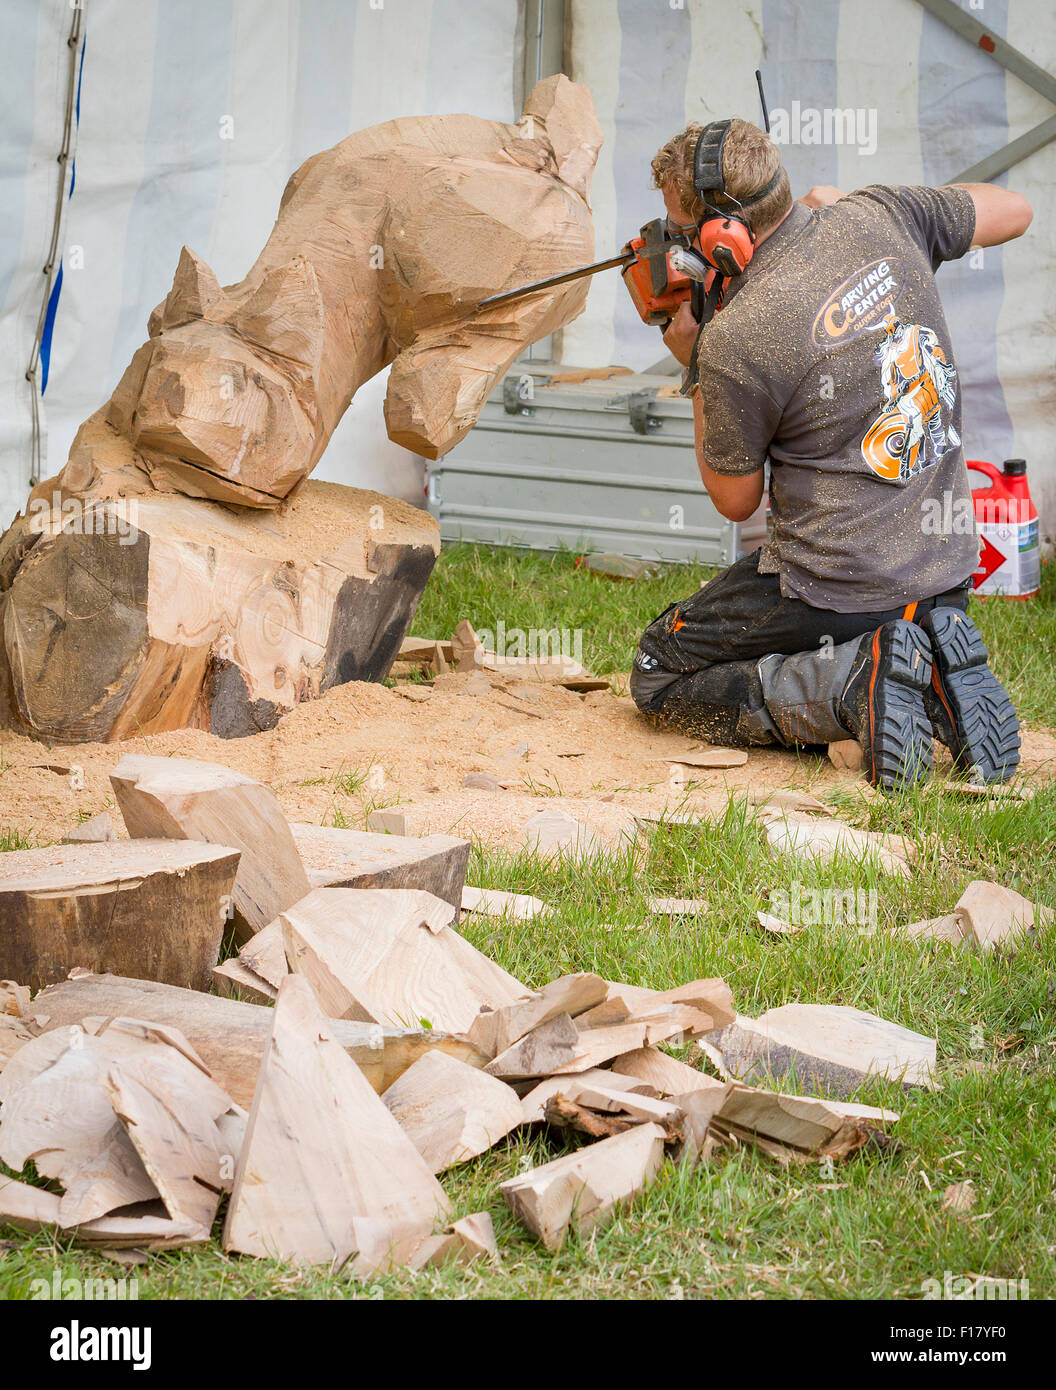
(986, 730)
(901, 750)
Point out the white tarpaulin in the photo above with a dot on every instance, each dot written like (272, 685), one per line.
(191, 116)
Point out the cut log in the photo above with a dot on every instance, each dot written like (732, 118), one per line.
(824, 1049)
(150, 908)
(183, 799)
(450, 1111)
(200, 617)
(380, 955)
(583, 1189)
(363, 859)
(325, 1172)
(230, 1036)
(571, 994)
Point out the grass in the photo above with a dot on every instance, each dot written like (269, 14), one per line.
(872, 1227)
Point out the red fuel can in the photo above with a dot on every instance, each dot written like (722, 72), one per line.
(1007, 521)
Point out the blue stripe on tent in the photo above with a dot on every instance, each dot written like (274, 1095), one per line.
(651, 107)
(963, 116)
(49, 328)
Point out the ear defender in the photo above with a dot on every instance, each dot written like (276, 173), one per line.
(726, 238)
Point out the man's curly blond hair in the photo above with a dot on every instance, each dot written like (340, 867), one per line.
(749, 160)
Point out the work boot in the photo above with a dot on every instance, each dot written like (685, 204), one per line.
(883, 705)
(969, 708)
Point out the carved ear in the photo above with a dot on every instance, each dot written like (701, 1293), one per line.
(284, 314)
(560, 113)
(195, 294)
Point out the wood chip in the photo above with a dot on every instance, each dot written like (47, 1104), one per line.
(824, 840)
(992, 916)
(325, 1174)
(381, 955)
(450, 1111)
(492, 902)
(495, 1031)
(584, 1189)
(825, 1049)
(777, 925)
(676, 907)
(846, 754)
(711, 757)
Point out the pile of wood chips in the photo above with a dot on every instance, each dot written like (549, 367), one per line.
(384, 1049)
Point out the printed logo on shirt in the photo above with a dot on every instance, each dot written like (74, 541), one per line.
(860, 302)
(913, 431)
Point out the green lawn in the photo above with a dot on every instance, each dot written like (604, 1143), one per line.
(874, 1227)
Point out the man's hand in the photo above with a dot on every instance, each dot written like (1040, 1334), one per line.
(681, 334)
(821, 195)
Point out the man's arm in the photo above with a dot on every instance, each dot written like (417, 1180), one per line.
(1000, 214)
(735, 496)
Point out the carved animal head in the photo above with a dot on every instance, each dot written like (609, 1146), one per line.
(222, 398)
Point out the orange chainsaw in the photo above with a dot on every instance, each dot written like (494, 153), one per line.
(660, 272)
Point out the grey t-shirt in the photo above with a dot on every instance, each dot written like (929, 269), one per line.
(832, 357)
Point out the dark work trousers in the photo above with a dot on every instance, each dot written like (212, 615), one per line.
(737, 663)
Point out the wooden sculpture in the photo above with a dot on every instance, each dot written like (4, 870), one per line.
(179, 570)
